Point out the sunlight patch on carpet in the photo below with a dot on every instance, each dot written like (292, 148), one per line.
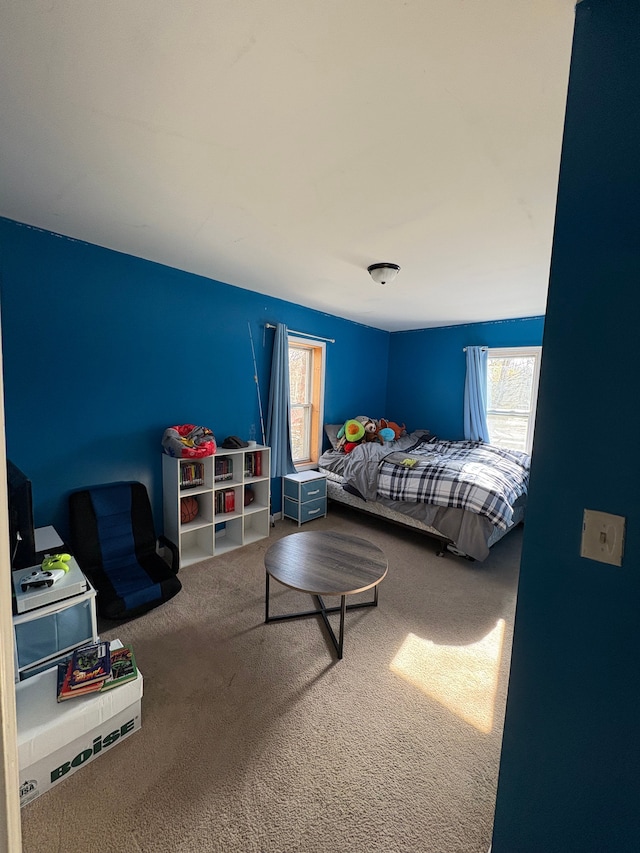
(462, 678)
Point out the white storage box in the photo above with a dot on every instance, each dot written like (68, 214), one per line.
(57, 738)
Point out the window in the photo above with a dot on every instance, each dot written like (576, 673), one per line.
(512, 392)
(306, 396)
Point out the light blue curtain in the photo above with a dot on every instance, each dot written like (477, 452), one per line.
(278, 423)
(475, 395)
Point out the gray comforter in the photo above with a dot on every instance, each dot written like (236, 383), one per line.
(472, 533)
(470, 475)
(362, 465)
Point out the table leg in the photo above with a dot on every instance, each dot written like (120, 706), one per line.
(322, 610)
(343, 610)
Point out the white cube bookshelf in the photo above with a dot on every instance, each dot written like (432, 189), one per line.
(218, 484)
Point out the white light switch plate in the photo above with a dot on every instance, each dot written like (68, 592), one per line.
(602, 537)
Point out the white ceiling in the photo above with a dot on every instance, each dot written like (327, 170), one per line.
(284, 145)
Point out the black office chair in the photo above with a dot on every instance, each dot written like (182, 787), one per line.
(114, 541)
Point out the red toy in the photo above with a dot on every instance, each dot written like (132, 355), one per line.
(349, 445)
(189, 441)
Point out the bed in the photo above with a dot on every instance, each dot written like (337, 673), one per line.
(466, 494)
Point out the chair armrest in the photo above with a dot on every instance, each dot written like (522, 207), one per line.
(175, 559)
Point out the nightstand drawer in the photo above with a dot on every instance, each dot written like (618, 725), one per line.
(313, 490)
(304, 486)
(306, 511)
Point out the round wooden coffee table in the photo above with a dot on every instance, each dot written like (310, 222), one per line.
(325, 563)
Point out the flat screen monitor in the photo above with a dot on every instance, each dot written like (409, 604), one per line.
(21, 528)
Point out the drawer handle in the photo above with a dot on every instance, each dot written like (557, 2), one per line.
(314, 511)
(317, 491)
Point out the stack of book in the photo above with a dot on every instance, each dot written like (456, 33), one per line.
(223, 468)
(225, 501)
(191, 475)
(253, 464)
(95, 667)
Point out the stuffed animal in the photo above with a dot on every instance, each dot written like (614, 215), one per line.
(356, 430)
(350, 445)
(397, 430)
(386, 434)
(352, 432)
(370, 428)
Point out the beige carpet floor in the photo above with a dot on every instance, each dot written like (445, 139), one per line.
(255, 739)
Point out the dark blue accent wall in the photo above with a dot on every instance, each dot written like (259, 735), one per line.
(102, 351)
(427, 370)
(570, 769)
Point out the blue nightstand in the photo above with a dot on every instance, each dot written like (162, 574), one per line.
(304, 496)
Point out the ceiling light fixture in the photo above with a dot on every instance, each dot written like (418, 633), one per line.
(383, 273)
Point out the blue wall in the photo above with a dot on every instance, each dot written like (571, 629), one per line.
(569, 774)
(102, 351)
(427, 370)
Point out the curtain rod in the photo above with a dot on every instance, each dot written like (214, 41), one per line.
(464, 349)
(303, 334)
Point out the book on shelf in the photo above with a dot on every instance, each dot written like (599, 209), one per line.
(123, 668)
(90, 664)
(225, 501)
(191, 475)
(253, 464)
(223, 468)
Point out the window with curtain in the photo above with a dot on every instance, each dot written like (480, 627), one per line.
(512, 393)
(306, 396)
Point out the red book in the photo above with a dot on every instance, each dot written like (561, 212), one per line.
(257, 468)
(229, 500)
(64, 688)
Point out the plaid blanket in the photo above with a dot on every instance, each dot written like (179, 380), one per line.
(469, 475)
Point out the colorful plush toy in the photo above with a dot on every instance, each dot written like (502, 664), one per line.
(351, 432)
(397, 430)
(370, 428)
(363, 428)
(348, 446)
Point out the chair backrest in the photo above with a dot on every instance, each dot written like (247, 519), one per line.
(109, 522)
(114, 541)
